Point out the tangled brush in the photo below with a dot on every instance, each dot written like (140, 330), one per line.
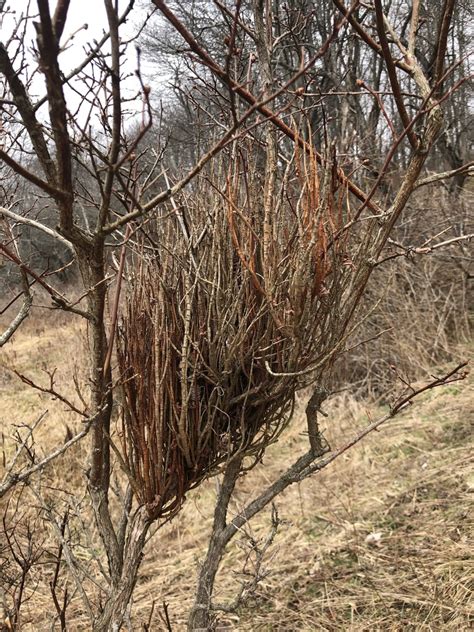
(244, 298)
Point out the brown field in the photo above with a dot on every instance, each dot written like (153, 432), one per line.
(380, 540)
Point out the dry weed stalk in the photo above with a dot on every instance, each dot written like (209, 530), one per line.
(234, 313)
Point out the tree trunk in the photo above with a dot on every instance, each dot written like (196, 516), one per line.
(112, 616)
(200, 619)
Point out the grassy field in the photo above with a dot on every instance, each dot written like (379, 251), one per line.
(379, 540)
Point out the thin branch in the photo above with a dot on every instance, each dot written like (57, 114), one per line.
(32, 222)
(360, 30)
(57, 297)
(24, 442)
(392, 75)
(218, 71)
(49, 391)
(31, 177)
(228, 137)
(71, 560)
(409, 251)
(235, 17)
(19, 318)
(377, 96)
(87, 60)
(306, 465)
(248, 588)
(444, 175)
(27, 113)
(169, 193)
(441, 41)
(10, 480)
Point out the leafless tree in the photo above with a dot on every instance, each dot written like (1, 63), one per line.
(244, 273)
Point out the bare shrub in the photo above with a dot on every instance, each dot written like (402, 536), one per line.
(227, 319)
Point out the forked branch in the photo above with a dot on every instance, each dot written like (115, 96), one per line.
(308, 464)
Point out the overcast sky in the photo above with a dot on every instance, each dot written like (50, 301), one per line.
(81, 12)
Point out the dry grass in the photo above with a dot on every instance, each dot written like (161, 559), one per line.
(46, 341)
(380, 540)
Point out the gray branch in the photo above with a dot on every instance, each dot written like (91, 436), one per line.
(32, 222)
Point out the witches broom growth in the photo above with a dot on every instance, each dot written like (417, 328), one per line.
(235, 308)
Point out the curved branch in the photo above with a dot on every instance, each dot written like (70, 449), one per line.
(31, 177)
(468, 169)
(31, 222)
(309, 463)
(16, 322)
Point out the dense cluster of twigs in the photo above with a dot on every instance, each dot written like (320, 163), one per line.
(245, 301)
